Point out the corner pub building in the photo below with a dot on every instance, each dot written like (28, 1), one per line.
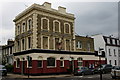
(46, 37)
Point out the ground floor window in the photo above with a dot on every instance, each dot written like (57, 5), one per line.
(39, 63)
(18, 63)
(80, 62)
(30, 62)
(61, 62)
(51, 61)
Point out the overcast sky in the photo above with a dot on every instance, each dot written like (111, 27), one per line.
(92, 17)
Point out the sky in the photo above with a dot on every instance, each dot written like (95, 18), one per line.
(93, 17)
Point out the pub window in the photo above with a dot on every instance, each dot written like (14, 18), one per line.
(30, 62)
(51, 62)
(29, 42)
(45, 23)
(29, 23)
(115, 62)
(80, 61)
(39, 63)
(67, 27)
(61, 62)
(18, 63)
(56, 25)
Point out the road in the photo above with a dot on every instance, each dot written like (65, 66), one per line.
(86, 77)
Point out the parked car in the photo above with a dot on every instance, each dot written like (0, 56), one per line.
(95, 71)
(115, 73)
(105, 68)
(82, 71)
(3, 70)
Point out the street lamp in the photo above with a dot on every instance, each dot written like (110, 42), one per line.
(100, 54)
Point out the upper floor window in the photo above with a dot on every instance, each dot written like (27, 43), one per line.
(67, 28)
(45, 23)
(108, 40)
(29, 24)
(23, 27)
(88, 46)
(109, 52)
(51, 62)
(118, 42)
(56, 26)
(18, 30)
(68, 45)
(114, 52)
(23, 44)
(79, 45)
(113, 41)
(29, 43)
(18, 45)
(45, 42)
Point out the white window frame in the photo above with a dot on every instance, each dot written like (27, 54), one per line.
(40, 58)
(42, 23)
(80, 61)
(65, 28)
(79, 43)
(55, 26)
(18, 29)
(23, 27)
(108, 40)
(16, 63)
(27, 63)
(118, 42)
(113, 41)
(62, 61)
(28, 24)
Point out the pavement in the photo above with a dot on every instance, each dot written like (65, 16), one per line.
(10, 75)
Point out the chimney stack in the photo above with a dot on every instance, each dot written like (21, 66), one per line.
(62, 9)
(47, 5)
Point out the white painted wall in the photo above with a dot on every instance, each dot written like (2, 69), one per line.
(99, 42)
(112, 57)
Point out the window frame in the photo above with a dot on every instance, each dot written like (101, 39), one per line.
(49, 66)
(65, 28)
(29, 25)
(78, 44)
(42, 23)
(54, 27)
(62, 60)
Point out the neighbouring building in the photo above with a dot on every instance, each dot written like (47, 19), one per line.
(45, 42)
(111, 48)
(7, 52)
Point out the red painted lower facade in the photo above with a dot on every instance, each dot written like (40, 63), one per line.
(57, 69)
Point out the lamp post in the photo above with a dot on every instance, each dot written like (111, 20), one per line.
(100, 53)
